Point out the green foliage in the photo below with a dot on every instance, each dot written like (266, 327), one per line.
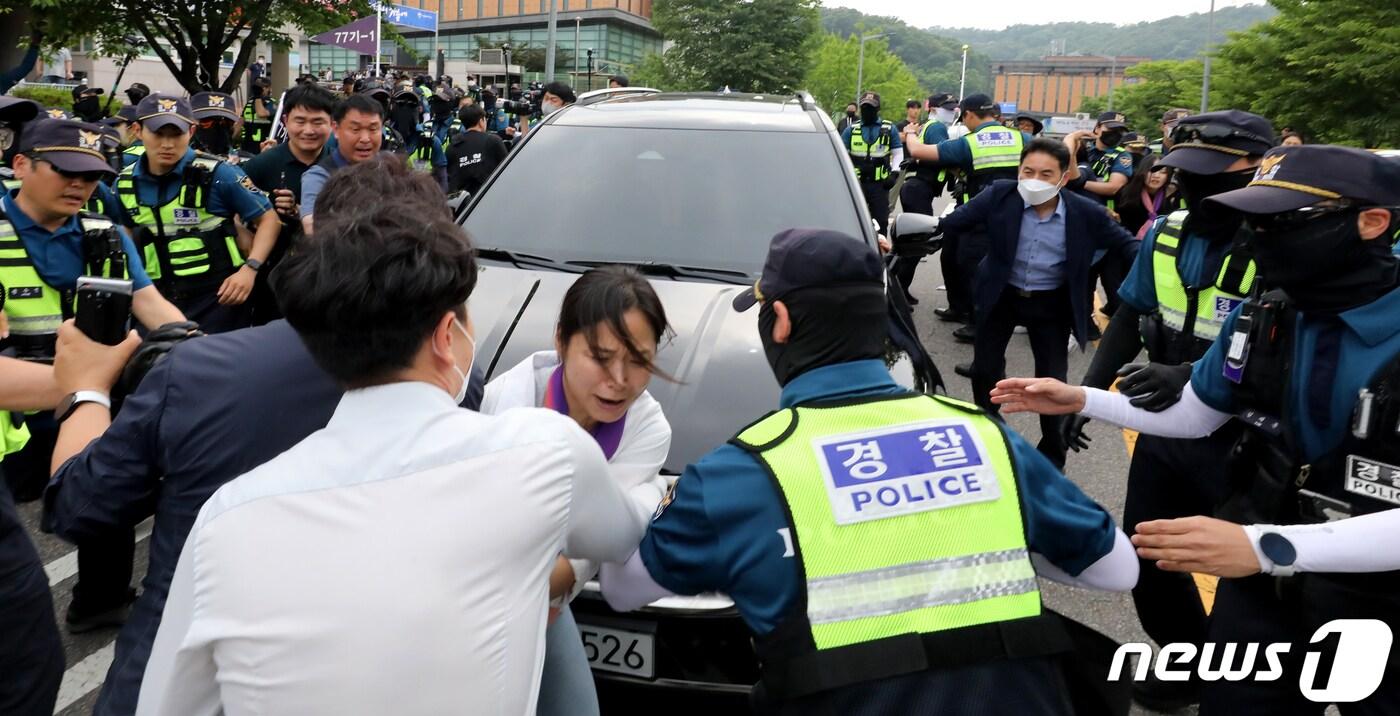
(936, 61)
(747, 45)
(1330, 70)
(832, 80)
(653, 72)
(1156, 87)
(1178, 37)
(52, 97)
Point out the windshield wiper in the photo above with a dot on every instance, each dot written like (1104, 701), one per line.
(657, 268)
(524, 260)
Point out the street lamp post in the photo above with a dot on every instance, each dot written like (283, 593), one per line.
(1205, 76)
(962, 81)
(860, 65)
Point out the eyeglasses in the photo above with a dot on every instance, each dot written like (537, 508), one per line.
(1214, 134)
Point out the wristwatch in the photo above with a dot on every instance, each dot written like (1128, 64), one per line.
(1280, 551)
(71, 402)
(252, 264)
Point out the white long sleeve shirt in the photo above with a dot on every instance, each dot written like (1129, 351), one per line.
(635, 465)
(396, 561)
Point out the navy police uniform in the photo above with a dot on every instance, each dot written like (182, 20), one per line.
(872, 153)
(1313, 377)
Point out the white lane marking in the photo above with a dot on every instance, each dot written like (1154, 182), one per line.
(67, 565)
(84, 676)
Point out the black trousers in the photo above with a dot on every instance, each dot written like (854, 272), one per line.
(877, 198)
(31, 652)
(1267, 610)
(1110, 271)
(916, 197)
(1046, 316)
(972, 248)
(203, 307)
(1170, 479)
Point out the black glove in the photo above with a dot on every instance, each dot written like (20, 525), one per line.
(152, 349)
(1153, 386)
(1072, 432)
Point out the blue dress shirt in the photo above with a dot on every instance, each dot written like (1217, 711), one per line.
(1040, 254)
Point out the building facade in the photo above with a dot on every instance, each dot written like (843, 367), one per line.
(618, 31)
(1057, 85)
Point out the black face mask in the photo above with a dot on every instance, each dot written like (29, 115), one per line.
(850, 115)
(1324, 265)
(217, 139)
(1211, 220)
(829, 326)
(869, 115)
(1111, 137)
(404, 118)
(88, 108)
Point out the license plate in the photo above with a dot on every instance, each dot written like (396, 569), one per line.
(619, 650)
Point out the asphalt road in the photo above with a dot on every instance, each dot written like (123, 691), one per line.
(1100, 472)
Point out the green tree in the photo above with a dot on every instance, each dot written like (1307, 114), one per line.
(935, 60)
(1150, 89)
(1330, 70)
(832, 80)
(746, 45)
(191, 37)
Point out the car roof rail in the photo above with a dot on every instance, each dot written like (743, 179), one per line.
(804, 98)
(607, 93)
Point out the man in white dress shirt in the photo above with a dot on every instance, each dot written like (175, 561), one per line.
(396, 561)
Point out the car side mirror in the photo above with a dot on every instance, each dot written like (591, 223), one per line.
(457, 203)
(915, 234)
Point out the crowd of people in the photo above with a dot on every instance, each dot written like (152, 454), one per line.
(304, 417)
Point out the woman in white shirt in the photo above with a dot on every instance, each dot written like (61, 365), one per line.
(610, 324)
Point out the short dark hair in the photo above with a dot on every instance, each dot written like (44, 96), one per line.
(384, 176)
(604, 295)
(1053, 147)
(311, 97)
(361, 103)
(562, 91)
(370, 286)
(913, 104)
(471, 115)
(621, 80)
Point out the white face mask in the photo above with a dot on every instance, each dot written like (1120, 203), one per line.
(946, 116)
(1037, 192)
(548, 108)
(464, 375)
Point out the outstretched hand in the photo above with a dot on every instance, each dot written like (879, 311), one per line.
(1197, 544)
(1045, 396)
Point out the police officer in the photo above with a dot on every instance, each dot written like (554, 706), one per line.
(430, 152)
(14, 114)
(86, 105)
(924, 182)
(474, 154)
(877, 541)
(1190, 273)
(214, 115)
(1310, 364)
(1110, 166)
(876, 152)
(181, 205)
(46, 243)
(258, 113)
(1170, 118)
(987, 153)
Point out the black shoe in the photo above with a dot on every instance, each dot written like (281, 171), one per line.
(963, 369)
(81, 622)
(966, 334)
(910, 298)
(1166, 696)
(951, 316)
(1094, 332)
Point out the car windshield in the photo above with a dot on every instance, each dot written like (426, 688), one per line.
(691, 198)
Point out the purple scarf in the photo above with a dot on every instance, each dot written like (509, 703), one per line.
(608, 435)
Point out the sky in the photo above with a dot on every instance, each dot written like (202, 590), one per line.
(926, 13)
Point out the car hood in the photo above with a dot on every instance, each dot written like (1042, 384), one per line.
(723, 381)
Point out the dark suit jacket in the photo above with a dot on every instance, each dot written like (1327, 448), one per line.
(211, 410)
(997, 212)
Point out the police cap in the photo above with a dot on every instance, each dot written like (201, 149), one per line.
(804, 258)
(979, 104)
(127, 112)
(17, 110)
(56, 113)
(1174, 115)
(213, 105)
(68, 144)
(1294, 177)
(1209, 143)
(942, 100)
(81, 90)
(1112, 120)
(164, 110)
(871, 98)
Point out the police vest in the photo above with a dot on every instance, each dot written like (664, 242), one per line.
(1192, 316)
(255, 128)
(996, 154)
(928, 171)
(36, 309)
(14, 433)
(180, 240)
(906, 522)
(1103, 169)
(1271, 480)
(872, 161)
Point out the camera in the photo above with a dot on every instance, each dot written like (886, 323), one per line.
(527, 104)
